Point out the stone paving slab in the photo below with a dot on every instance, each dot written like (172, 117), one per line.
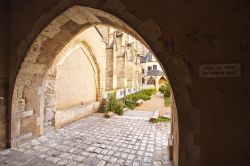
(138, 114)
(96, 141)
(13, 157)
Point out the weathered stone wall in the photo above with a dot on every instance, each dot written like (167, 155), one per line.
(4, 41)
(138, 72)
(38, 74)
(121, 68)
(124, 69)
(73, 114)
(213, 113)
(109, 76)
(48, 105)
(174, 140)
(130, 73)
(130, 67)
(76, 83)
(97, 48)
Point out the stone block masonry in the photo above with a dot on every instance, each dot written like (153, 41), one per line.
(63, 117)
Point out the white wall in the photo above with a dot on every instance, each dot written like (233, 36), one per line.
(98, 48)
(76, 82)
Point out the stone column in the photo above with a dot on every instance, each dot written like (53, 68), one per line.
(109, 69)
(129, 71)
(134, 70)
(120, 62)
(49, 105)
(139, 72)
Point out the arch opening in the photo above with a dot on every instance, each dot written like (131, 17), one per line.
(41, 68)
(162, 81)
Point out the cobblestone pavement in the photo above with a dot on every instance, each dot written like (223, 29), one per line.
(96, 141)
(138, 114)
(13, 158)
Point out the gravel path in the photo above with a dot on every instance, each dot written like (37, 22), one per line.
(155, 103)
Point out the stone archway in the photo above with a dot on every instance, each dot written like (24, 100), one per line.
(151, 81)
(52, 118)
(43, 103)
(61, 30)
(162, 81)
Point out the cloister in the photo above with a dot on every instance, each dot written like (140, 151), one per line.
(202, 47)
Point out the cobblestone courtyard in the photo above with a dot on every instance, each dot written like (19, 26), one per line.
(96, 141)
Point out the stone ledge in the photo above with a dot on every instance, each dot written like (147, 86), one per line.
(24, 114)
(20, 139)
(156, 114)
(64, 117)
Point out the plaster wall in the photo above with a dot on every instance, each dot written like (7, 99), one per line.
(97, 47)
(76, 83)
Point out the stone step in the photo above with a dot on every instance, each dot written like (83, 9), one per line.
(154, 117)
(139, 102)
(109, 114)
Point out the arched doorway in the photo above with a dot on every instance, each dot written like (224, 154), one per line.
(76, 62)
(76, 80)
(162, 81)
(151, 82)
(39, 61)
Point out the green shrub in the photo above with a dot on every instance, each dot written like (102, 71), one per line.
(145, 97)
(165, 89)
(119, 108)
(103, 106)
(163, 119)
(167, 101)
(130, 100)
(147, 93)
(162, 89)
(131, 104)
(115, 105)
(153, 91)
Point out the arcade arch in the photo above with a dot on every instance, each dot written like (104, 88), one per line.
(55, 40)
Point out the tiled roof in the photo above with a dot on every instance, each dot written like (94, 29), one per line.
(147, 58)
(155, 73)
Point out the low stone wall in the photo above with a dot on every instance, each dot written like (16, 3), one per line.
(120, 93)
(150, 87)
(64, 117)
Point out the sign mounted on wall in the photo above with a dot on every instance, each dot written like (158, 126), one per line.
(220, 70)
